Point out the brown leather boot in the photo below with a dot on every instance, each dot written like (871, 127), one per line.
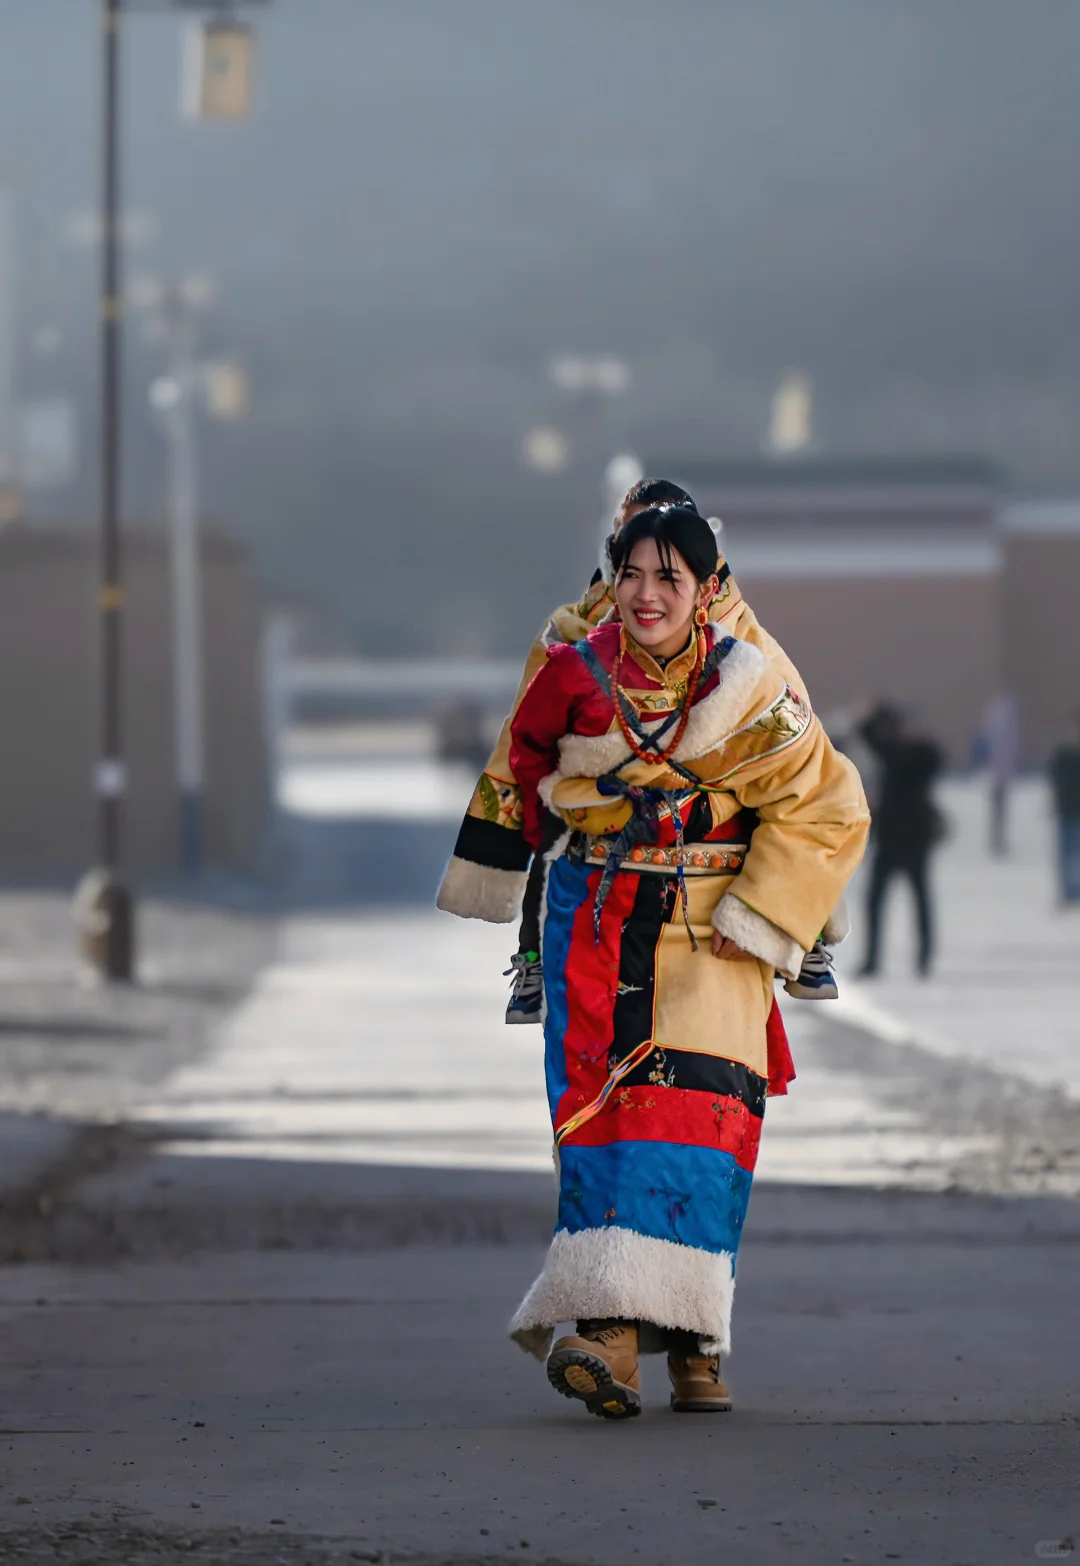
(697, 1387)
(600, 1366)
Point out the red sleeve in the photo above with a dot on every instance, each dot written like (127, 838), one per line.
(544, 715)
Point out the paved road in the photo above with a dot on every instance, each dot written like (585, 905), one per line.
(272, 1307)
(72, 1054)
(905, 1379)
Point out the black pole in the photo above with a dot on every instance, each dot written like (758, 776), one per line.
(113, 951)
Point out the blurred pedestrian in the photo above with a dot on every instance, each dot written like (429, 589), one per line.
(1064, 771)
(906, 825)
(1001, 744)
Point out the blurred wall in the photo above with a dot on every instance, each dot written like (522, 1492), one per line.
(1040, 624)
(878, 576)
(928, 643)
(907, 579)
(49, 697)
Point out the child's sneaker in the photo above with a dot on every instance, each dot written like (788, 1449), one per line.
(816, 980)
(527, 990)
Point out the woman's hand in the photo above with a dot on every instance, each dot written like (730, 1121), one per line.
(723, 947)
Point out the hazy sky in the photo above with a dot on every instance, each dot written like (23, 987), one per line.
(435, 197)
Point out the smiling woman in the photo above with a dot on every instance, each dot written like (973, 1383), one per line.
(707, 817)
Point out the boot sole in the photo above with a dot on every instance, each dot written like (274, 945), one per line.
(800, 992)
(523, 1016)
(588, 1378)
(700, 1405)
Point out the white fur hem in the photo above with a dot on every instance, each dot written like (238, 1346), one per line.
(615, 1272)
(756, 934)
(837, 925)
(475, 891)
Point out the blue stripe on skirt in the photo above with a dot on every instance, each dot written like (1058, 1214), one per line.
(670, 1191)
(567, 889)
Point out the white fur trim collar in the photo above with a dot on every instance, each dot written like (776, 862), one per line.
(712, 720)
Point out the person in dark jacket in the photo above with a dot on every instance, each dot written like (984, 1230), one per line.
(1064, 771)
(906, 824)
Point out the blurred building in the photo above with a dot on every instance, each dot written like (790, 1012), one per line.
(1039, 626)
(49, 703)
(915, 579)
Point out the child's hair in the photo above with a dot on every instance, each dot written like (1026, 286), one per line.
(656, 492)
(673, 527)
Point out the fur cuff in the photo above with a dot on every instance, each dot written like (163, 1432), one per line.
(617, 1272)
(756, 934)
(475, 891)
(837, 925)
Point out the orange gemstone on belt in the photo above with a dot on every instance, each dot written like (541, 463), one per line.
(600, 850)
(637, 855)
(697, 860)
(717, 861)
(658, 856)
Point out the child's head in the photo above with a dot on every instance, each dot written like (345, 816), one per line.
(649, 492)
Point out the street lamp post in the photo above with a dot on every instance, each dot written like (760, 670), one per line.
(178, 408)
(105, 900)
(114, 951)
(175, 398)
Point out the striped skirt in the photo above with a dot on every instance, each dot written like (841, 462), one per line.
(658, 1062)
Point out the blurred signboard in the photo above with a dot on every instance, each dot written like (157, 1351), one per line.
(217, 71)
(227, 394)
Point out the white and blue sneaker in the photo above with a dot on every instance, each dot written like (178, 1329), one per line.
(527, 990)
(816, 980)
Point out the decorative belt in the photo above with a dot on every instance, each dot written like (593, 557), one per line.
(695, 858)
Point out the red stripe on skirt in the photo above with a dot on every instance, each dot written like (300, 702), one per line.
(681, 1115)
(592, 982)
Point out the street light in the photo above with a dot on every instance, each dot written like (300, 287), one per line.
(173, 397)
(105, 898)
(595, 382)
(219, 388)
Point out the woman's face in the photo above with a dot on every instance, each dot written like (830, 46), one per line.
(657, 602)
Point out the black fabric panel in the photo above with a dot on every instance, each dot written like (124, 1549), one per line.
(654, 906)
(704, 1073)
(494, 846)
(632, 1017)
(698, 820)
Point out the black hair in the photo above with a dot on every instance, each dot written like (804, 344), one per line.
(673, 527)
(657, 492)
